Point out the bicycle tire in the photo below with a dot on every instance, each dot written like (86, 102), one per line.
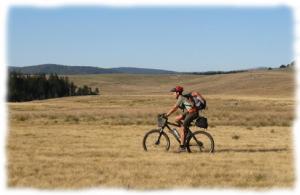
(200, 145)
(153, 132)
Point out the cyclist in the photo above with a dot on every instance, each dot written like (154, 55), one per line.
(190, 113)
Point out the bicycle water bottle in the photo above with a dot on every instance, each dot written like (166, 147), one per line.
(176, 133)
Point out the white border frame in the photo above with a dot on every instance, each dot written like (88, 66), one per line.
(4, 8)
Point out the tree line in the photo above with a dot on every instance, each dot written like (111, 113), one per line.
(290, 65)
(218, 72)
(26, 87)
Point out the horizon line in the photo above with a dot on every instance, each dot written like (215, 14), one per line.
(246, 69)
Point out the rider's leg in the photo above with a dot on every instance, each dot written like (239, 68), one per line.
(186, 123)
(179, 119)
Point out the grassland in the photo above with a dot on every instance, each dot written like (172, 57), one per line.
(95, 141)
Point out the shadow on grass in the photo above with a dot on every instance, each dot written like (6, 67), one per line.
(253, 150)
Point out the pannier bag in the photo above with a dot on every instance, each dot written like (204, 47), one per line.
(201, 122)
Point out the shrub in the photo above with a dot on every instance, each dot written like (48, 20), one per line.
(22, 117)
(72, 118)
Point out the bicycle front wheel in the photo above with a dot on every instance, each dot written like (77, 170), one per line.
(155, 140)
(200, 141)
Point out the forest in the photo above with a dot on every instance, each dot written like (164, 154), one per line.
(27, 87)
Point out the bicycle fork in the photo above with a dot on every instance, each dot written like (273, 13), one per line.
(158, 139)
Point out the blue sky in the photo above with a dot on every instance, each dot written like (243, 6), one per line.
(173, 38)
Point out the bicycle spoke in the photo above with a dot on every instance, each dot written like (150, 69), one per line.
(156, 141)
(201, 142)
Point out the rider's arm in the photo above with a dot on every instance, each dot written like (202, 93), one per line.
(175, 107)
(172, 110)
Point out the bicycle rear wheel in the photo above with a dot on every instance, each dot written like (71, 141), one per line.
(155, 140)
(200, 141)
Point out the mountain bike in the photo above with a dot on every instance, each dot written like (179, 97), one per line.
(198, 141)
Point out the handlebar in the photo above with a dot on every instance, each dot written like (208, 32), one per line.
(163, 115)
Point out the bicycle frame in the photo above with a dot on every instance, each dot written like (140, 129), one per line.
(196, 136)
(170, 130)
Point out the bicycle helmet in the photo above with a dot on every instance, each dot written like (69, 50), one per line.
(178, 89)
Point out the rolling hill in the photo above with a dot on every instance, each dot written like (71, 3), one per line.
(76, 70)
(61, 69)
(271, 83)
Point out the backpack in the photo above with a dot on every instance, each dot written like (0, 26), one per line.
(199, 102)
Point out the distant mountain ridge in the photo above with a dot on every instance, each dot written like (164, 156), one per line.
(76, 70)
(73, 70)
(133, 70)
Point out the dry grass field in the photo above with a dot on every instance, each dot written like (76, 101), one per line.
(96, 141)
